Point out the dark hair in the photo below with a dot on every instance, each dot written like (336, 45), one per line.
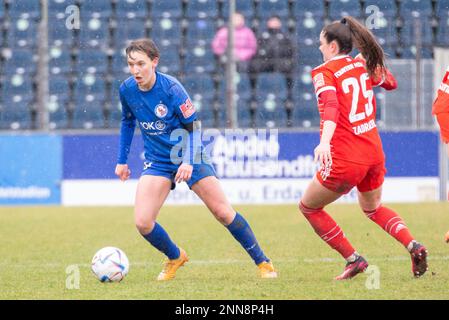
(144, 45)
(348, 32)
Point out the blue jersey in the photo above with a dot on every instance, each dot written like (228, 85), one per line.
(159, 111)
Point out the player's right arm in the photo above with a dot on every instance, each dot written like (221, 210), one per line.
(383, 78)
(128, 125)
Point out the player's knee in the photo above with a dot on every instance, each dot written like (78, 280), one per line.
(144, 226)
(223, 214)
(305, 210)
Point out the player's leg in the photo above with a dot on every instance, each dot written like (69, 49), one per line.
(209, 191)
(392, 223)
(150, 196)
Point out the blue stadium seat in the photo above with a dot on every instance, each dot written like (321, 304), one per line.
(309, 55)
(169, 61)
(19, 61)
(199, 85)
(408, 35)
(94, 33)
(2, 10)
(205, 109)
(442, 36)
(166, 30)
(127, 30)
(59, 95)
(17, 95)
(305, 111)
(60, 60)
(166, 9)
(442, 9)
(386, 7)
(199, 59)
(92, 61)
(268, 8)
(57, 8)
(113, 99)
(201, 30)
(245, 7)
(341, 8)
(96, 8)
(131, 9)
(202, 9)
(58, 33)
(303, 8)
(415, 7)
(24, 8)
(308, 29)
(119, 64)
(409, 52)
(22, 33)
(385, 31)
(90, 94)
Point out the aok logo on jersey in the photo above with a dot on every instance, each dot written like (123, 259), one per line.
(153, 125)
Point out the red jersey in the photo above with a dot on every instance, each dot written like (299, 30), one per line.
(356, 138)
(441, 103)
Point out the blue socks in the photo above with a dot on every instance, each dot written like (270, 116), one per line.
(242, 232)
(159, 238)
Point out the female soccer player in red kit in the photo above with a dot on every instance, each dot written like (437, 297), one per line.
(440, 108)
(350, 150)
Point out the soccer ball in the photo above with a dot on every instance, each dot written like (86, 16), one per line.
(110, 264)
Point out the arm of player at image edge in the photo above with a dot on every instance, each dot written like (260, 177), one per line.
(128, 125)
(331, 113)
(385, 80)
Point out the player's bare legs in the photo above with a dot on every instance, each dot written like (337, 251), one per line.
(392, 223)
(209, 191)
(311, 205)
(150, 196)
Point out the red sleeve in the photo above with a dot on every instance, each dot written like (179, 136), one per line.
(386, 81)
(330, 105)
(323, 80)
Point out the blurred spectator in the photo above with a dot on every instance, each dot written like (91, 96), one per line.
(274, 54)
(245, 43)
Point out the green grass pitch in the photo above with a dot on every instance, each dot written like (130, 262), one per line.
(39, 244)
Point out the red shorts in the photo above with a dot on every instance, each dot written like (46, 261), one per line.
(443, 121)
(343, 175)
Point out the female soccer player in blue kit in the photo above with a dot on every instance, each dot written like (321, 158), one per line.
(161, 105)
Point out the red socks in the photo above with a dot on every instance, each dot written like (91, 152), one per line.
(392, 223)
(328, 230)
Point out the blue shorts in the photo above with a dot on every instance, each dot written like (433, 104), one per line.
(200, 171)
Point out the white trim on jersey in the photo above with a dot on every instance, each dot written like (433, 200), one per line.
(326, 88)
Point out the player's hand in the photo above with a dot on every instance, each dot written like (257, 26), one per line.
(184, 173)
(323, 154)
(122, 171)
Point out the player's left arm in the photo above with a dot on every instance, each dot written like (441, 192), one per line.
(192, 139)
(382, 77)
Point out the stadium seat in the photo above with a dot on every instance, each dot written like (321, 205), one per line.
(205, 108)
(408, 31)
(130, 9)
(20, 61)
(199, 58)
(303, 8)
(96, 8)
(169, 61)
(92, 61)
(442, 9)
(386, 7)
(341, 8)
(268, 8)
(202, 9)
(201, 30)
(2, 10)
(24, 8)
(90, 94)
(442, 35)
(309, 56)
(57, 8)
(245, 7)
(415, 7)
(58, 33)
(127, 30)
(22, 33)
(201, 85)
(166, 9)
(59, 95)
(409, 52)
(385, 31)
(305, 111)
(308, 28)
(94, 33)
(60, 60)
(166, 31)
(119, 64)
